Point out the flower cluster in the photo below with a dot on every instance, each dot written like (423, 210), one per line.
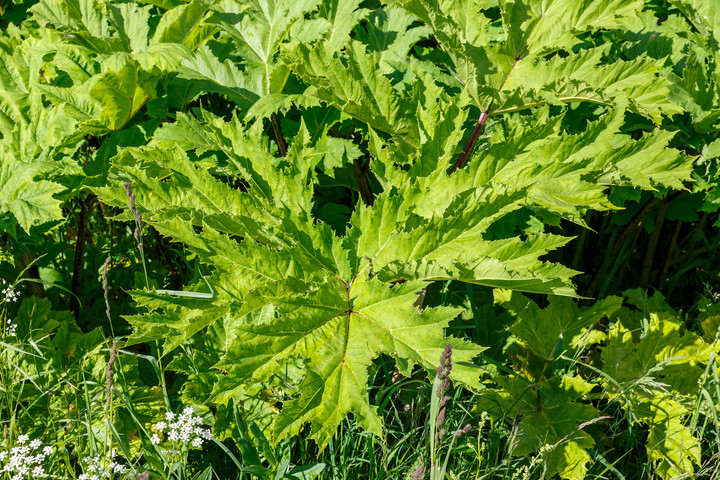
(10, 328)
(183, 428)
(24, 459)
(8, 293)
(101, 468)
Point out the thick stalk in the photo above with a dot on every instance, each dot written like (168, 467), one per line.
(467, 149)
(360, 170)
(693, 236)
(79, 254)
(579, 253)
(282, 145)
(633, 225)
(652, 246)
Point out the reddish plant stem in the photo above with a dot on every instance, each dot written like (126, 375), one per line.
(467, 149)
(470, 144)
(282, 145)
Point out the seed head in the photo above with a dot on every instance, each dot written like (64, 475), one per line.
(418, 473)
(136, 214)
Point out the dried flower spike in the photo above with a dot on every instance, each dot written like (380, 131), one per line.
(418, 473)
(443, 373)
(106, 286)
(444, 370)
(463, 430)
(136, 214)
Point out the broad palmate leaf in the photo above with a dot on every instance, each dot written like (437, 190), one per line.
(290, 289)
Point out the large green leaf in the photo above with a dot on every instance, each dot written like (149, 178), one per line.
(184, 25)
(32, 202)
(560, 327)
(121, 95)
(551, 416)
(298, 291)
(258, 29)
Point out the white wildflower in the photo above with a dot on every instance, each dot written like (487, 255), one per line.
(9, 294)
(101, 468)
(181, 429)
(10, 329)
(19, 462)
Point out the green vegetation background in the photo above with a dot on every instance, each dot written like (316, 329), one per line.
(286, 214)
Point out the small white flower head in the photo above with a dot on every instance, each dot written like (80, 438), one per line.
(9, 294)
(20, 461)
(102, 468)
(183, 428)
(10, 328)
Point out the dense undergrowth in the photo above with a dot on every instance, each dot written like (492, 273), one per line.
(345, 239)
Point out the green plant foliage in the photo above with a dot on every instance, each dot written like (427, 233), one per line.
(338, 291)
(649, 365)
(297, 290)
(321, 187)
